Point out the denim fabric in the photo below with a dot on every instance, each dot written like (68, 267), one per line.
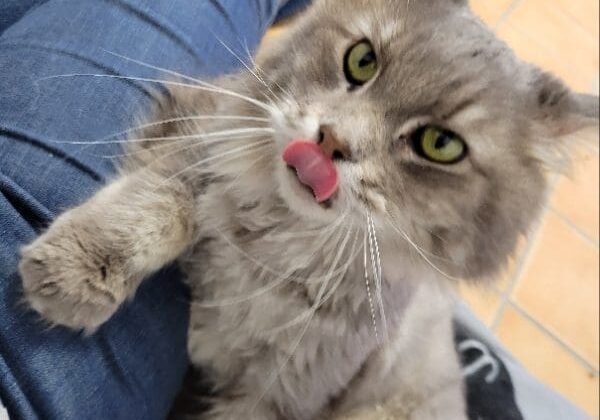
(291, 8)
(13, 10)
(132, 368)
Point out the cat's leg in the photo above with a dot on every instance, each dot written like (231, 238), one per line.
(433, 390)
(428, 387)
(94, 256)
(415, 377)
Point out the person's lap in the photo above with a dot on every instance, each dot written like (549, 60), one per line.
(13, 10)
(133, 366)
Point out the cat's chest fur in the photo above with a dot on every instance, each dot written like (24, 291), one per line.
(264, 283)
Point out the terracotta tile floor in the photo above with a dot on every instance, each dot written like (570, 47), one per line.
(544, 308)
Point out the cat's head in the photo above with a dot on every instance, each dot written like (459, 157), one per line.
(432, 123)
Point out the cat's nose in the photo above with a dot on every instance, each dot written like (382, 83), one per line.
(332, 146)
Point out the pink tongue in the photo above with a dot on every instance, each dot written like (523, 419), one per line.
(313, 167)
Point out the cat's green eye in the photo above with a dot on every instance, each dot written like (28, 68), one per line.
(360, 63)
(438, 145)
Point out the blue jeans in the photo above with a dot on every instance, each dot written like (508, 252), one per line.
(133, 367)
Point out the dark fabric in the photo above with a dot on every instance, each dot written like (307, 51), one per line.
(489, 390)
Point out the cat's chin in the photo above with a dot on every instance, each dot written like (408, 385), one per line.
(301, 200)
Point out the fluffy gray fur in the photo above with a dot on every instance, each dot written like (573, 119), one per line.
(281, 315)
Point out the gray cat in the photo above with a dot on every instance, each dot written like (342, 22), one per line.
(322, 204)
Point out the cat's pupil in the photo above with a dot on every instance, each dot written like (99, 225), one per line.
(442, 141)
(367, 59)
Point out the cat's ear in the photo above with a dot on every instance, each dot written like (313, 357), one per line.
(558, 110)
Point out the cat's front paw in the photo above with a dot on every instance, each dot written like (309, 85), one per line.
(70, 281)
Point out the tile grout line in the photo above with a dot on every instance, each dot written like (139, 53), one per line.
(574, 20)
(504, 295)
(529, 251)
(577, 230)
(506, 14)
(547, 50)
(554, 337)
(524, 258)
(519, 270)
(522, 262)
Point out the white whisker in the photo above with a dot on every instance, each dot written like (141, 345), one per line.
(222, 133)
(353, 255)
(201, 142)
(260, 70)
(296, 320)
(185, 119)
(280, 279)
(369, 295)
(208, 176)
(238, 176)
(377, 274)
(253, 147)
(252, 72)
(215, 157)
(420, 251)
(181, 75)
(207, 87)
(304, 330)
